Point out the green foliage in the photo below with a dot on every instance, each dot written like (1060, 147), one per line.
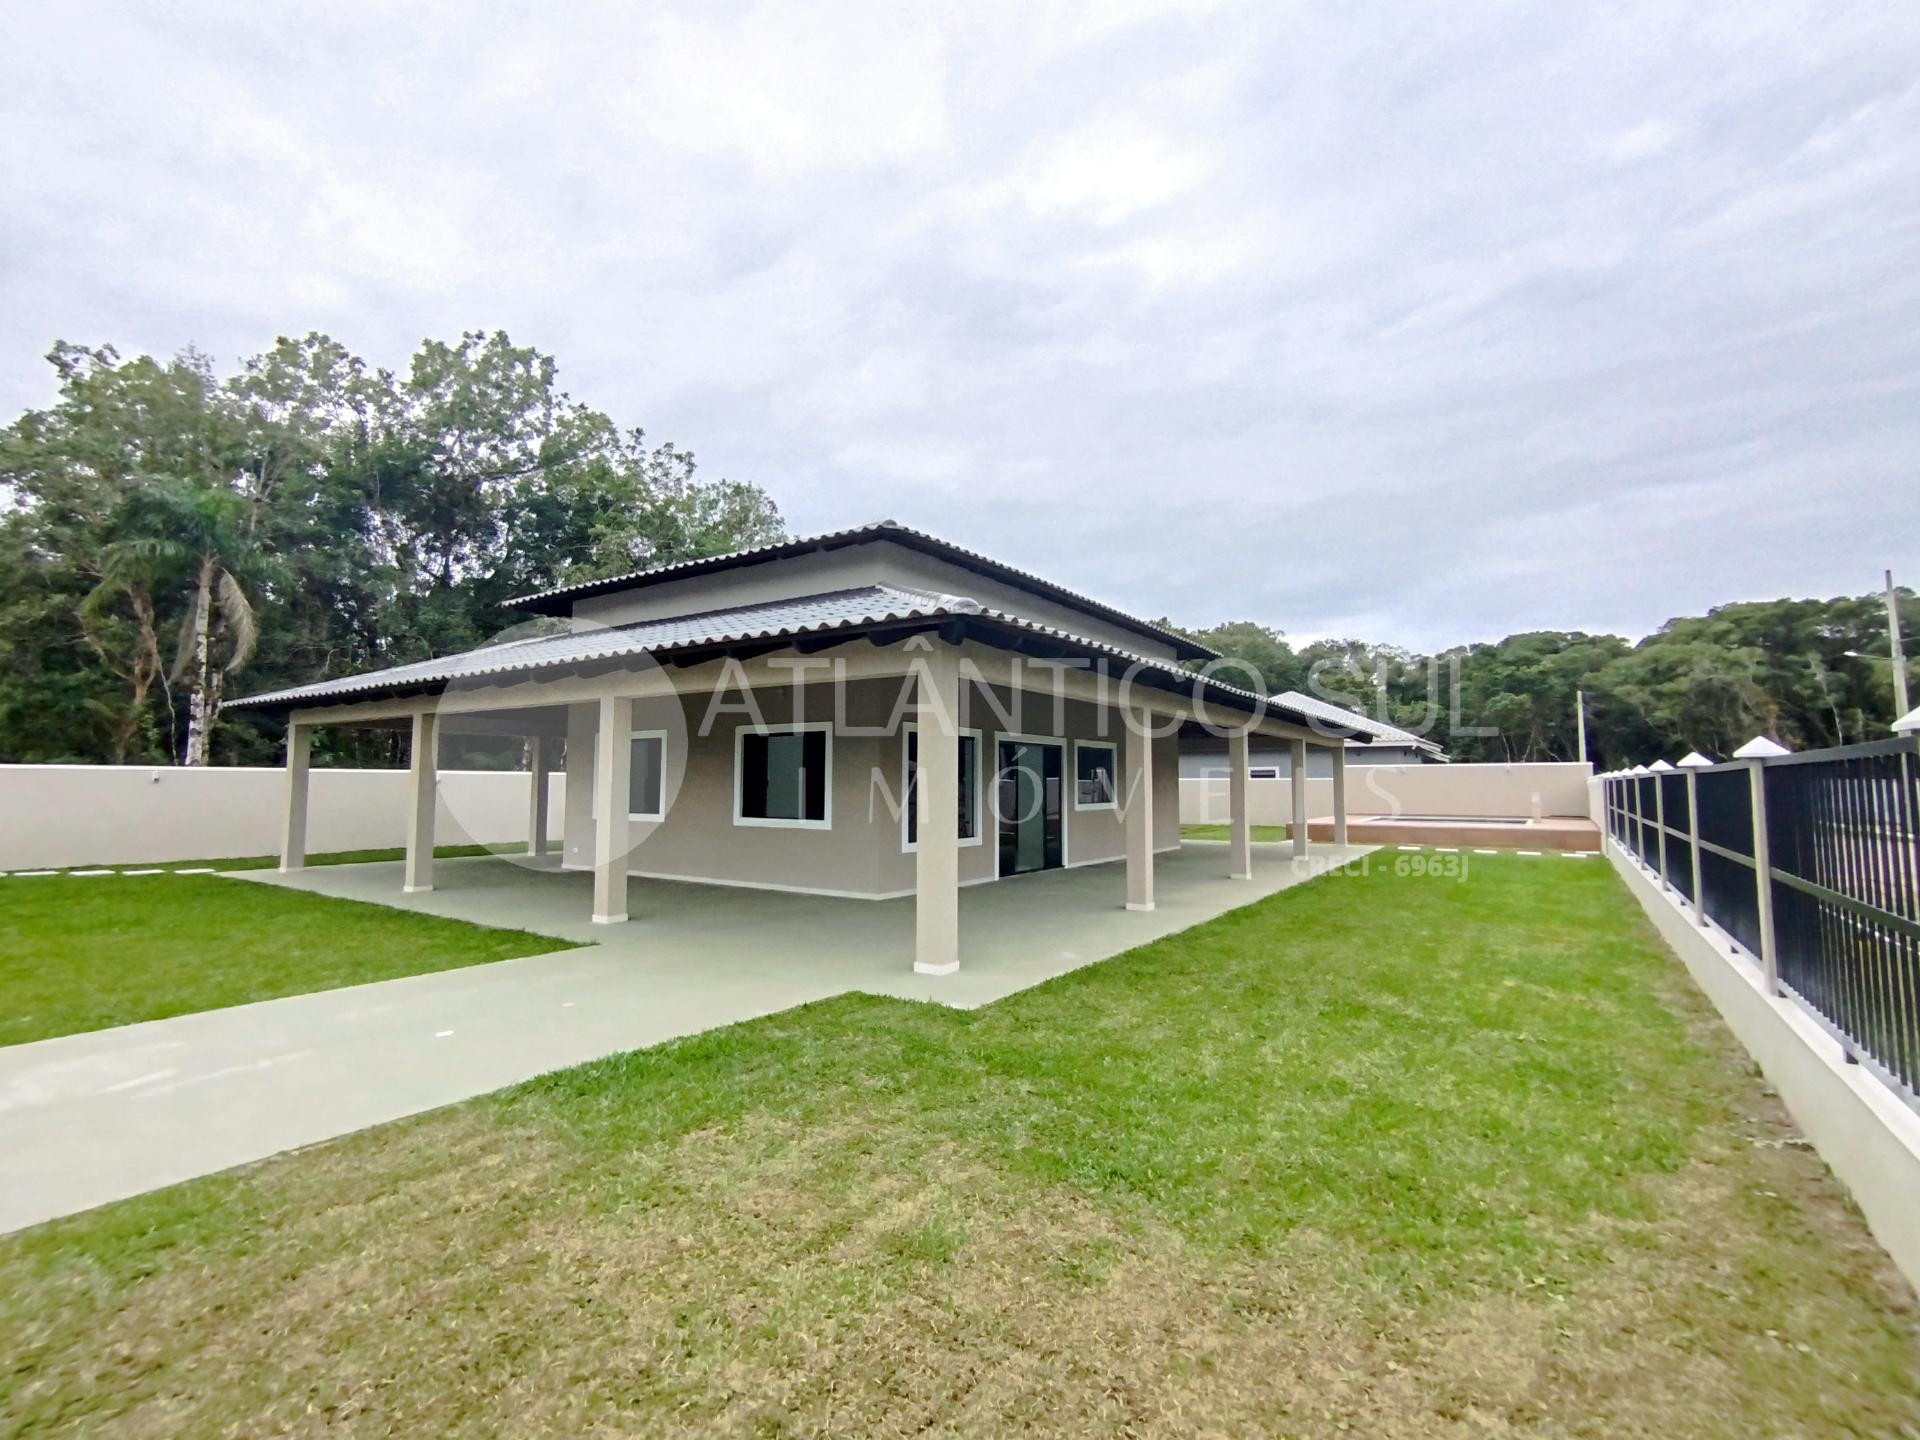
(1707, 683)
(310, 516)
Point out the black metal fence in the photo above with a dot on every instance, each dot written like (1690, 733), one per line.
(1811, 863)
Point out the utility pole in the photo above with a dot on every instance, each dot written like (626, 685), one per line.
(1580, 721)
(1899, 654)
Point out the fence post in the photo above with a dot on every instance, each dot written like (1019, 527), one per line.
(1630, 803)
(1640, 773)
(1660, 770)
(1660, 828)
(1763, 877)
(1693, 762)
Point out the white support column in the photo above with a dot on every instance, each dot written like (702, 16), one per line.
(423, 783)
(293, 838)
(537, 796)
(1340, 793)
(936, 864)
(1297, 783)
(612, 772)
(576, 843)
(1240, 856)
(1137, 801)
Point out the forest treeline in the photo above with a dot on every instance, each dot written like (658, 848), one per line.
(1710, 682)
(172, 536)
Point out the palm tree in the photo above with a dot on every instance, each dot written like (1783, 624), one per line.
(193, 535)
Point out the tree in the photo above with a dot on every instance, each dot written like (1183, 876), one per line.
(182, 530)
(1804, 671)
(310, 516)
(77, 474)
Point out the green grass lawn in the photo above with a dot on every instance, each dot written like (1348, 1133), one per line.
(1381, 1155)
(1262, 834)
(83, 953)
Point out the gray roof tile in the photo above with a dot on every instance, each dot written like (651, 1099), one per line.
(806, 615)
(1336, 715)
(551, 601)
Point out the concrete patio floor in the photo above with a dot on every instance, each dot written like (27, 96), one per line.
(85, 1119)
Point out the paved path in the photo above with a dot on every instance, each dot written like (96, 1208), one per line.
(86, 1119)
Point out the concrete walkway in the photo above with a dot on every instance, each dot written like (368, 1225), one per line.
(86, 1119)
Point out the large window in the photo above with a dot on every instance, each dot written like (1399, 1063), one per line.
(783, 776)
(1094, 775)
(969, 798)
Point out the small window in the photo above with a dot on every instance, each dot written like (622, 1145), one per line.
(646, 779)
(1264, 772)
(969, 798)
(1094, 781)
(781, 777)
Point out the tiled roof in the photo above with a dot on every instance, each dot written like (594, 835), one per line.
(852, 611)
(776, 619)
(1335, 715)
(557, 600)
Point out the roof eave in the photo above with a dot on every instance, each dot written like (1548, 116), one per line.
(1013, 633)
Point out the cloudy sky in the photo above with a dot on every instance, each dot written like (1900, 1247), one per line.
(1422, 324)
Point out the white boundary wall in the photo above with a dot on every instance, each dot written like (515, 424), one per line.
(1526, 792)
(55, 815)
(1869, 1138)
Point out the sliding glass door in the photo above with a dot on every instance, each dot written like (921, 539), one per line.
(1029, 800)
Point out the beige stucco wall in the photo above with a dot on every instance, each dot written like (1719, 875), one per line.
(877, 563)
(1522, 791)
(863, 853)
(60, 815)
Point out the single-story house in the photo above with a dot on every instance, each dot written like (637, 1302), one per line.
(766, 718)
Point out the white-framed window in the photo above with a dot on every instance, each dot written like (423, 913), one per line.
(1096, 775)
(646, 778)
(972, 746)
(1263, 772)
(783, 775)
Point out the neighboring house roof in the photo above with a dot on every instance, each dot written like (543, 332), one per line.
(828, 617)
(560, 600)
(1380, 734)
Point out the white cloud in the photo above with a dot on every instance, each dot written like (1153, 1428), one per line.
(1373, 322)
(1647, 139)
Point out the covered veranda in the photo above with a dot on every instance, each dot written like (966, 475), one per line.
(937, 664)
(690, 944)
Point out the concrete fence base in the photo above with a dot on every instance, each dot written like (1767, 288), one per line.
(1868, 1136)
(1519, 792)
(62, 815)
